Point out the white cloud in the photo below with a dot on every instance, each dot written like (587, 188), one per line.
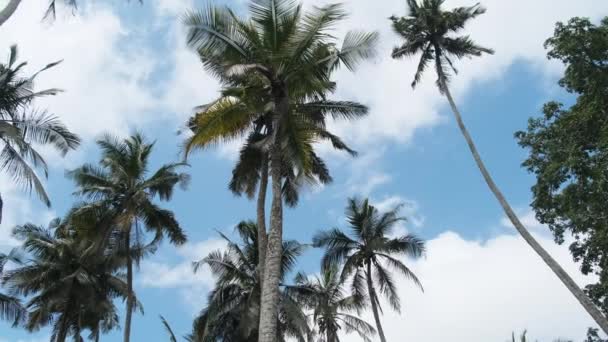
(517, 30)
(482, 291)
(104, 71)
(193, 287)
(19, 208)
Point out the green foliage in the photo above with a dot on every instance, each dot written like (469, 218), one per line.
(63, 288)
(22, 128)
(568, 151)
(232, 312)
(370, 253)
(278, 52)
(331, 306)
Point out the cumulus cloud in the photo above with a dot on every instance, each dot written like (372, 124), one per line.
(482, 291)
(192, 286)
(516, 29)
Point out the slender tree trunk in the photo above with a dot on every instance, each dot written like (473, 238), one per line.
(582, 298)
(129, 313)
(274, 249)
(372, 299)
(261, 218)
(328, 336)
(62, 334)
(9, 10)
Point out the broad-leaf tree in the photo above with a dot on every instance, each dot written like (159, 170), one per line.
(124, 190)
(233, 309)
(432, 32)
(569, 150)
(294, 55)
(370, 254)
(70, 292)
(22, 128)
(331, 305)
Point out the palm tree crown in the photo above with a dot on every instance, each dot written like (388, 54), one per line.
(63, 288)
(124, 192)
(370, 253)
(232, 312)
(22, 127)
(428, 30)
(331, 306)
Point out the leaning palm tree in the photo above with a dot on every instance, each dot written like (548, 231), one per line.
(233, 309)
(370, 253)
(293, 54)
(22, 128)
(123, 190)
(62, 288)
(430, 30)
(331, 307)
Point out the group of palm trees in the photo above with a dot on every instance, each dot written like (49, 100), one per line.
(276, 72)
(357, 268)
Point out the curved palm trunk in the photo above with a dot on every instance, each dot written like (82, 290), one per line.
(129, 313)
(261, 217)
(9, 10)
(274, 248)
(372, 299)
(582, 298)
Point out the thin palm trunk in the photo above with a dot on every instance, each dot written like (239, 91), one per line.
(129, 313)
(372, 299)
(274, 248)
(9, 10)
(582, 298)
(261, 217)
(62, 334)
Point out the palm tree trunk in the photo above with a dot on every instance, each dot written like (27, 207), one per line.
(62, 334)
(9, 10)
(129, 313)
(261, 217)
(582, 298)
(372, 299)
(274, 248)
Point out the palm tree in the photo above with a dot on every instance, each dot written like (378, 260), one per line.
(251, 169)
(430, 30)
(123, 191)
(10, 307)
(22, 127)
(330, 305)
(293, 54)
(233, 309)
(370, 253)
(63, 288)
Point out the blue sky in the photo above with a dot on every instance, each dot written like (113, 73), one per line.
(126, 68)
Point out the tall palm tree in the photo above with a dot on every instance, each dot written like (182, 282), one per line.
(10, 307)
(62, 288)
(124, 191)
(22, 127)
(370, 253)
(430, 30)
(331, 307)
(233, 309)
(293, 54)
(251, 169)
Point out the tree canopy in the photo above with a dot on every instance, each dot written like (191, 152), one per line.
(568, 150)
